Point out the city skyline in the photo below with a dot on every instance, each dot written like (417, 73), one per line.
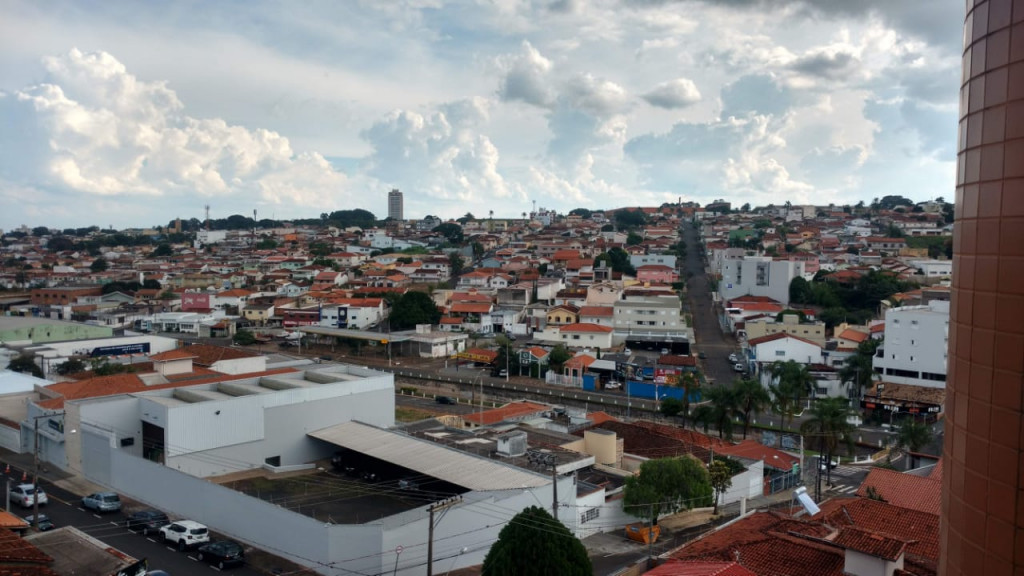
(125, 116)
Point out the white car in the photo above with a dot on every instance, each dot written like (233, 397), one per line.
(738, 367)
(185, 533)
(733, 358)
(26, 494)
(612, 385)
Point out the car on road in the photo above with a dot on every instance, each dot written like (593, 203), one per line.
(733, 358)
(444, 400)
(148, 521)
(185, 534)
(613, 385)
(702, 355)
(738, 367)
(824, 463)
(45, 523)
(102, 502)
(26, 494)
(222, 553)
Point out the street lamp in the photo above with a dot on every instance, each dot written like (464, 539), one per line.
(35, 478)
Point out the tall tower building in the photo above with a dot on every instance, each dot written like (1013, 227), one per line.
(982, 523)
(395, 205)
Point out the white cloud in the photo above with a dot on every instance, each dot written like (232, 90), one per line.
(109, 133)
(678, 93)
(526, 78)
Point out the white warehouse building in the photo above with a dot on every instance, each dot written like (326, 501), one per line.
(914, 349)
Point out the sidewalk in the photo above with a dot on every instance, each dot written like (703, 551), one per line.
(60, 478)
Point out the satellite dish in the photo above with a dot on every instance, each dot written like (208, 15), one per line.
(805, 500)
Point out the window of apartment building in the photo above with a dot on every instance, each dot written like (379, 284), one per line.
(575, 336)
(589, 515)
(780, 352)
(913, 323)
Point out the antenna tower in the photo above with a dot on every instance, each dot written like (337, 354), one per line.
(207, 217)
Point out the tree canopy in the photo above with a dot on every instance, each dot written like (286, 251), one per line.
(617, 259)
(533, 543)
(26, 365)
(720, 476)
(665, 486)
(451, 231)
(630, 219)
(413, 308)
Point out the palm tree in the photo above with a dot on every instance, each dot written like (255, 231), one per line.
(702, 415)
(912, 436)
(690, 384)
(793, 382)
(723, 408)
(751, 397)
(828, 422)
(858, 370)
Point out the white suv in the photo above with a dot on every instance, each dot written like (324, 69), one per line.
(26, 494)
(185, 533)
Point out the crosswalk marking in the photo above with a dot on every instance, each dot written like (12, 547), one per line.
(845, 489)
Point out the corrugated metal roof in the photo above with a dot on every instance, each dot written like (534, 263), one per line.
(432, 459)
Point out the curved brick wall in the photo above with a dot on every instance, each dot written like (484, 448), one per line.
(982, 530)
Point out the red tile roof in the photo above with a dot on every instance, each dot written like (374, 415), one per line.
(871, 543)
(19, 553)
(600, 417)
(506, 412)
(779, 336)
(904, 490)
(921, 529)
(176, 354)
(586, 327)
(754, 450)
(597, 311)
(471, 307)
(854, 335)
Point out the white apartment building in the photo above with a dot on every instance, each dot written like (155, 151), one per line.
(638, 260)
(914, 350)
(758, 276)
(655, 315)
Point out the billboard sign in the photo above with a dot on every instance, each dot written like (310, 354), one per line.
(195, 301)
(122, 350)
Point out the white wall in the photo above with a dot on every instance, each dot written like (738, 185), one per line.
(916, 340)
(747, 484)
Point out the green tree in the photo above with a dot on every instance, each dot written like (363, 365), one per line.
(792, 383)
(671, 407)
(858, 370)
(702, 415)
(533, 543)
(456, 264)
(724, 406)
(266, 243)
(161, 250)
(582, 212)
(413, 308)
(244, 338)
(800, 291)
(720, 476)
(26, 364)
(452, 232)
(828, 422)
(618, 260)
(99, 265)
(751, 398)
(558, 356)
(912, 436)
(71, 366)
(632, 239)
(630, 219)
(104, 367)
(665, 486)
(467, 217)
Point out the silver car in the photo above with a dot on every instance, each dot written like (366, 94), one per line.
(102, 502)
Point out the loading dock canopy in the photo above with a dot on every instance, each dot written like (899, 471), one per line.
(434, 460)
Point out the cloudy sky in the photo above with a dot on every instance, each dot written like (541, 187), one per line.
(131, 114)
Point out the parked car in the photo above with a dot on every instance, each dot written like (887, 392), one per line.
(44, 522)
(613, 385)
(444, 400)
(185, 533)
(26, 494)
(702, 355)
(824, 463)
(222, 553)
(158, 573)
(102, 502)
(733, 358)
(149, 521)
(738, 367)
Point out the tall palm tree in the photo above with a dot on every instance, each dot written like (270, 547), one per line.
(793, 382)
(751, 397)
(912, 436)
(690, 384)
(828, 423)
(858, 370)
(723, 408)
(702, 415)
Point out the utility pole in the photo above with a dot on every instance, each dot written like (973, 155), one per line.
(548, 459)
(436, 507)
(35, 481)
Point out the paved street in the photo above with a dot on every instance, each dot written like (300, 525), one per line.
(707, 330)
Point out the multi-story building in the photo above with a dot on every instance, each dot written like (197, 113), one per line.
(790, 324)
(395, 205)
(758, 276)
(914, 349)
